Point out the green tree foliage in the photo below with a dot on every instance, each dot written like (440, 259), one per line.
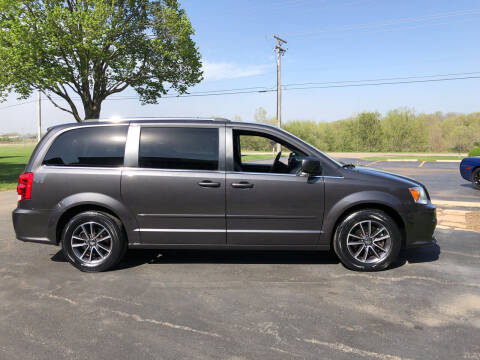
(400, 130)
(474, 152)
(94, 49)
(370, 131)
(261, 117)
(404, 131)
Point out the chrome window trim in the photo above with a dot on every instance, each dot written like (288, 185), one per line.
(142, 169)
(40, 157)
(260, 173)
(83, 167)
(221, 141)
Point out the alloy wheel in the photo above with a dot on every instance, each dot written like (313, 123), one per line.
(91, 243)
(369, 241)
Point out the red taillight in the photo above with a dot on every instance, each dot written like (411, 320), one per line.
(24, 187)
(469, 168)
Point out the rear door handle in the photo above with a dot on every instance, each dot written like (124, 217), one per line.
(242, 185)
(208, 183)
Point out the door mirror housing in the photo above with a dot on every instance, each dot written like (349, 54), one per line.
(311, 166)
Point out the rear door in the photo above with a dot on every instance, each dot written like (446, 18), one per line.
(175, 185)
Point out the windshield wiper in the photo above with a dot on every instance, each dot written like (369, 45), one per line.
(348, 166)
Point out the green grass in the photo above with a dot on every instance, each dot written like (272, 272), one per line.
(419, 158)
(258, 155)
(13, 159)
(251, 157)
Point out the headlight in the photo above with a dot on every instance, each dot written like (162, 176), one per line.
(419, 195)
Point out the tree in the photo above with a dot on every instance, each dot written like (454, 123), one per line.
(369, 131)
(404, 131)
(95, 48)
(261, 117)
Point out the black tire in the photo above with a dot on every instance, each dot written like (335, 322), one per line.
(346, 253)
(116, 243)
(476, 178)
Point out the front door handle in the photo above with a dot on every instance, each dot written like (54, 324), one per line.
(242, 185)
(208, 183)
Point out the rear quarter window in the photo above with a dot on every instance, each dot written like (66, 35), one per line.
(97, 146)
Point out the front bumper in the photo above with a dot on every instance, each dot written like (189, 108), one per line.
(420, 223)
(32, 225)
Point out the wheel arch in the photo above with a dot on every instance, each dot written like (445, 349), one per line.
(78, 203)
(75, 210)
(390, 211)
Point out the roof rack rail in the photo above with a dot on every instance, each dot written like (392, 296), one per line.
(126, 118)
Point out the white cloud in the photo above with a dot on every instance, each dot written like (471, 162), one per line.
(227, 70)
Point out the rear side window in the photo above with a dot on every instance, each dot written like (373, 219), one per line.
(179, 148)
(102, 146)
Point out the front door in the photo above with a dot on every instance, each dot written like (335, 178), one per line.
(177, 190)
(267, 202)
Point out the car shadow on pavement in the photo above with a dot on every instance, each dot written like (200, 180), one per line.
(135, 258)
(139, 257)
(419, 255)
(468, 185)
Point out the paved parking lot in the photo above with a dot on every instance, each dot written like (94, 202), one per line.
(239, 305)
(442, 179)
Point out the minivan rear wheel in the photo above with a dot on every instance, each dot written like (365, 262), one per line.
(367, 240)
(93, 241)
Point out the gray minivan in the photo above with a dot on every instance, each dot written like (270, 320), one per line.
(101, 187)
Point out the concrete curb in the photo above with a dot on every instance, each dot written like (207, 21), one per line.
(447, 203)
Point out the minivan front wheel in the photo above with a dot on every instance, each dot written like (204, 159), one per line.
(93, 241)
(367, 240)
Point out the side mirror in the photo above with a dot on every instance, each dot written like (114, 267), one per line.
(311, 166)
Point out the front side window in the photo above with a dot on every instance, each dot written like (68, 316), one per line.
(257, 152)
(179, 148)
(97, 146)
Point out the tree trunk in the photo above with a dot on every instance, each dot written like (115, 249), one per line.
(92, 111)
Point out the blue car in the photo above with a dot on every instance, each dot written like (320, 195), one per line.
(470, 170)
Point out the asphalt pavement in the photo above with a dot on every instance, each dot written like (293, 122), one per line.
(442, 179)
(239, 305)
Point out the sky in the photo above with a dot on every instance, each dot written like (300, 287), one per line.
(327, 41)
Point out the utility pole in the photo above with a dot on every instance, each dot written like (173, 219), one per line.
(39, 115)
(280, 51)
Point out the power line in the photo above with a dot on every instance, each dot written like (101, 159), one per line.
(288, 87)
(19, 104)
(307, 88)
(380, 31)
(398, 21)
(385, 83)
(384, 79)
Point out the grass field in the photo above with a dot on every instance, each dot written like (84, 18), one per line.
(13, 159)
(252, 157)
(419, 158)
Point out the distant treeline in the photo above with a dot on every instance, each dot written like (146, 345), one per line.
(400, 130)
(15, 137)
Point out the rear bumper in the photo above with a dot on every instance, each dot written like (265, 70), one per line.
(32, 225)
(466, 174)
(420, 225)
